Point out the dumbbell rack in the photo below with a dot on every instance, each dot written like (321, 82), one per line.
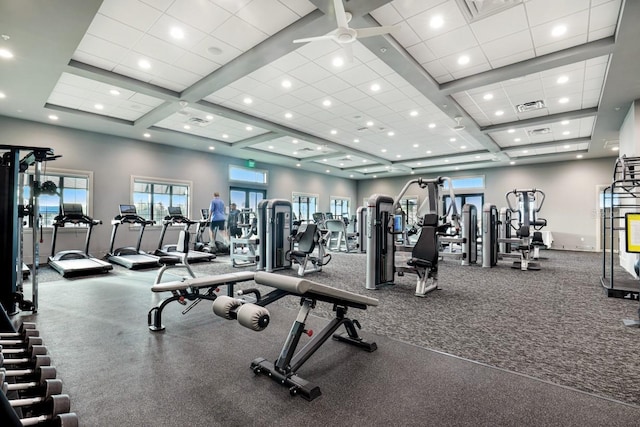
(30, 394)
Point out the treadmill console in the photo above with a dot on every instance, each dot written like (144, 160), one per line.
(175, 211)
(128, 210)
(71, 209)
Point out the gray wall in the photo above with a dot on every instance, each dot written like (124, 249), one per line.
(571, 199)
(114, 160)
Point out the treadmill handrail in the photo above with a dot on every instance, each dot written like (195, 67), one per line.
(132, 219)
(61, 220)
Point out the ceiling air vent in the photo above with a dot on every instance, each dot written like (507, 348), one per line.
(197, 121)
(530, 106)
(345, 159)
(539, 131)
(475, 10)
(306, 149)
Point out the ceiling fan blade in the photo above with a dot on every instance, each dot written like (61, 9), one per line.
(341, 16)
(374, 31)
(313, 39)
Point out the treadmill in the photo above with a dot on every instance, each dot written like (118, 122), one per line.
(75, 262)
(130, 257)
(175, 217)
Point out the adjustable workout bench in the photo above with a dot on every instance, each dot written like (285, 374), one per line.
(190, 290)
(256, 317)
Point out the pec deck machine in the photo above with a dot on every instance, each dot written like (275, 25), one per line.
(383, 212)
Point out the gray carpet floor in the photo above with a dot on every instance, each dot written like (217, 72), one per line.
(554, 325)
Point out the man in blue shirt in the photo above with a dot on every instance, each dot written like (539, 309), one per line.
(217, 218)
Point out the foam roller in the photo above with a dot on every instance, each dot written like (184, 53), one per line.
(223, 305)
(253, 317)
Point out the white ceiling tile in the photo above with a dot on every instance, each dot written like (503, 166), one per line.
(358, 75)
(387, 15)
(469, 71)
(114, 31)
(287, 101)
(162, 30)
(310, 73)
(604, 16)
(300, 7)
(601, 33)
(256, 13)
(203, 15)
(232, 5)
(239, 33)
(577, 27)
(508, 46)
(102, 49)
(512, 59)
(318, 49)
(167, 84)
(161, 5)
(405, 35)
(227, 52)
(147, 100)
(349, 95)
(541, 11)
(409, 8)
(131, 12)
(435, 69)
(456, 41)
(501, 25)
(196, 64)
(381, 68)
(561, 45)
(152, 47)
(289, 62)
(450, 13)
(421, 53)
(476, 58)
(331, 84)
(308, 93)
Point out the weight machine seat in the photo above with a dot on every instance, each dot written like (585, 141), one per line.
(306, 239)
(425, 252)
(537, 240)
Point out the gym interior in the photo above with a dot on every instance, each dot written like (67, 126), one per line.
(524, 107)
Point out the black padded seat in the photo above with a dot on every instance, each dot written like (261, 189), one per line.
(306, 239)
(425, 252)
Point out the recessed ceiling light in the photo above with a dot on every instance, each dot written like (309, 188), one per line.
(326, 102)
(53, 117)
(294, 141)
(558, 30)
(211, 147)
(319, 147)
(579, 156)
(384, 150)
(144, 64)
(187, 127)
(98, 107)
(334, 132)
(463, 60)
(248, 101)
(375, 87)
(564, 122)
(288, 115)
(488, 96)
(286, 84)
(416, 145)
(364, 160)
(446, 160)
(351, 176)
(398, 155)
(375, 176)
(517, 140)
(146, 135)
(463, 147)
(452, 140)
(224, 135)
(209, 117)
(298, 165)
(369, 123)
(328, 171)
(477, 157)
(341, 164)
(499, 113)
(562, 80)
(563, 100)
(2, 95)
(413, 172)
(324, 160)
(511, 130)
(114, 92)
(566, 132)
(419, 163)
(295, 153)
(432, 125)
(348, 156)
(177, 33)
(271, 147)
(6, 54)
(356, 140)
(436, 22)
(391, 133)
(567, 147)
(615, 148)
(457, 167)
(525, 151)
(428, 151)
(512, 162)
(413, 113)
(337, 61)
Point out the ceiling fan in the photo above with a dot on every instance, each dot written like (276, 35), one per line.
(344, 35)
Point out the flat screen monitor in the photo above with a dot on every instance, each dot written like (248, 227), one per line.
(204, 213)
(71, 209)
(398, 225)
(175, 211)
(128, 210)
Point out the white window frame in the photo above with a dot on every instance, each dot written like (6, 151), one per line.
(264, 172)
(163, 181)
(300, 194)
(341, 198)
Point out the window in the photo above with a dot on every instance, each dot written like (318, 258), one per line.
(410, 207)
(468, 182)
(254, 176)
(153, 196)
(246, 198)
(473, 199)
(304, 205)
(72, 187)
(339, 206)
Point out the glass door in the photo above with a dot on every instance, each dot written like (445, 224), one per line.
(246, 197)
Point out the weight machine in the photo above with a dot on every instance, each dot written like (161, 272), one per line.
(12, 214)
(529, 203)
(274, 228)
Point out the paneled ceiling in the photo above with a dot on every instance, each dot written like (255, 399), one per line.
(457, 84)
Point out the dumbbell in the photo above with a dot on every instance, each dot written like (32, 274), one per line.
(49, 406)
(60, 420)
(25, 330)
(37, 352)
(39, 374)
(29, 343)
(35, 386)
(41, 392)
